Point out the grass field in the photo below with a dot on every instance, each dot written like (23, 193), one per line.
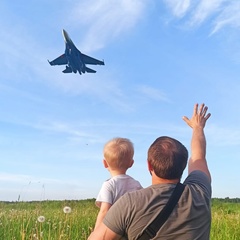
(225, 220)
(74, 220)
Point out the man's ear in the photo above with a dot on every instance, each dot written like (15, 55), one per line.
(105, 164)
(150, 168)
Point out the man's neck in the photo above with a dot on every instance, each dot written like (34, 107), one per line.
(157, 180)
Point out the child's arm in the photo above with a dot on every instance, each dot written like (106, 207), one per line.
(102, 212)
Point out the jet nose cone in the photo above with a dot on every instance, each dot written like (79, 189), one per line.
(65, 35)
(64, 32)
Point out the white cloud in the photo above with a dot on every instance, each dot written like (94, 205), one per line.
(105, 20)
(222, 13)
(178, 7)
(205, 9)
(152, 93)
(74, 132)
(230, 16)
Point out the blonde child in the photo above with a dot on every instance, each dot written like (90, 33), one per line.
(118, 157)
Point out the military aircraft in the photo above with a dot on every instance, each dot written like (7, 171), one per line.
(74, 59)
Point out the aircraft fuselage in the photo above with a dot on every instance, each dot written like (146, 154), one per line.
(74, 59)
(73, 55)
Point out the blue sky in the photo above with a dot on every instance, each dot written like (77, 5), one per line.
(161, 57)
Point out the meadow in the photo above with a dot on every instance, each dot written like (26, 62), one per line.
(74, 220)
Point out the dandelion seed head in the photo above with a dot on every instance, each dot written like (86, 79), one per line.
(35, 236)
(41, 219)
(67, 209)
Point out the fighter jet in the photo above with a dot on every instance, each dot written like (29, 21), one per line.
(74, 59)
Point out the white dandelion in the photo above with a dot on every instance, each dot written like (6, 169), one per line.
(35, 236)
(67, 209)
(41, 219)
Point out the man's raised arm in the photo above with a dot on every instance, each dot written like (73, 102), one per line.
(198, 144)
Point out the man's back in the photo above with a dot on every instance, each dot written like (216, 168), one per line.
(189, 220)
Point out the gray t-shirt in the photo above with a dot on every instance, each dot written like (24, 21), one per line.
(115, 187)
(190, 219)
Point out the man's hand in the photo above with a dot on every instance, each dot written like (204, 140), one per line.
(199, 117)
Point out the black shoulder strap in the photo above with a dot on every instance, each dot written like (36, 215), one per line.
(157, 223)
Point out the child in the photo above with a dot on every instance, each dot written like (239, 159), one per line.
(118, 157)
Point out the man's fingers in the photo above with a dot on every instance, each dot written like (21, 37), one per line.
(202, 109)
(195, 109)
(185, 119)
(208, 116)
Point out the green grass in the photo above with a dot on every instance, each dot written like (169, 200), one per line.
(225, 220)
(19, 220)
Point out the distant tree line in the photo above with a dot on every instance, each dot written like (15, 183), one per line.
(226, 199)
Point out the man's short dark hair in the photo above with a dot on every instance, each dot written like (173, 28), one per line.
(168, 157)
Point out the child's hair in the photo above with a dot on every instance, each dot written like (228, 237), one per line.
(118, 152)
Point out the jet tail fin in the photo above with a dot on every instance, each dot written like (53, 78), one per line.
(89, 70)
(67, 70)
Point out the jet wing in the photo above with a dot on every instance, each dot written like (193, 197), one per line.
(89, 70)
(89, 60)
(62, 60)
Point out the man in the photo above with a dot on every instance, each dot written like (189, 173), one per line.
(167, 158)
